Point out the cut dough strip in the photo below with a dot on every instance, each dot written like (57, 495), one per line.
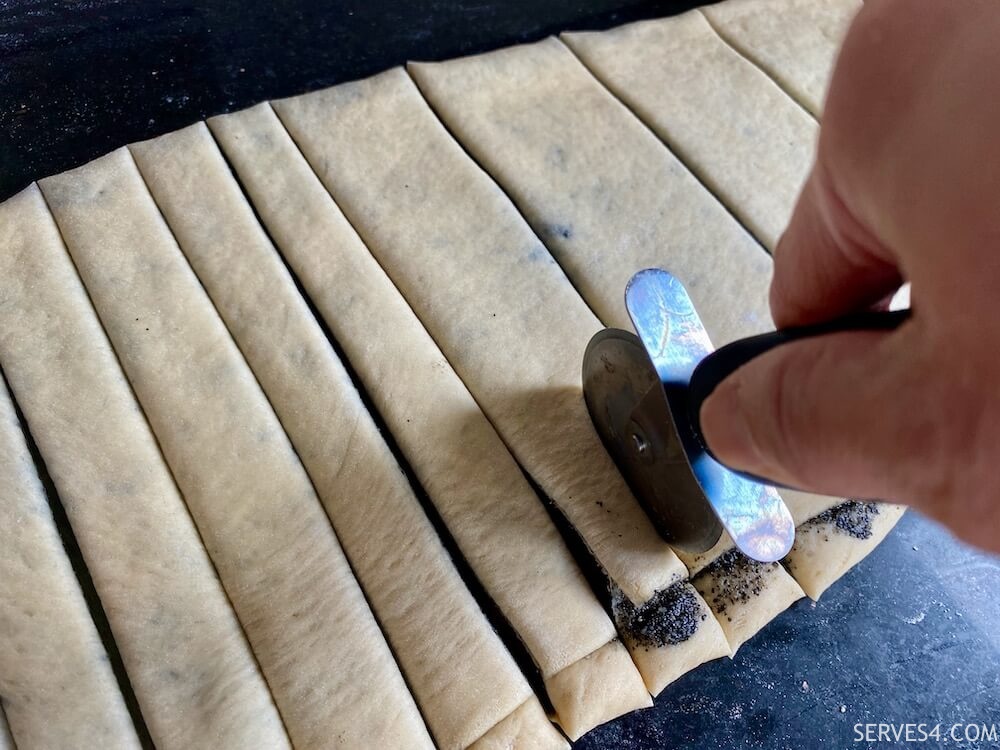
(610, 200)
(502, 529)
(830, 544)
(596, 185)
(489, 293)
(671, 634)
(732, 125)
(331, 673)
(55, 678)
(793, 41)
(193, 677)
(462, 676)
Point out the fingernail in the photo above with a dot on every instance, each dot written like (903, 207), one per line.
(724, 424)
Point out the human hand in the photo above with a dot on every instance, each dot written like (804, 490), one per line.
(906, 185)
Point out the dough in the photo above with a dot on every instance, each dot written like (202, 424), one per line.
(496, 518)
(461, 674)
(829, 545)
(609, 200)
(669, 635)
(597, 186)
(793, 41)
(57, 685)
(522, 730)
(193, 677)
(599, 684)
(488, 291)
(329, 668)
(728, 122)
(745, 595)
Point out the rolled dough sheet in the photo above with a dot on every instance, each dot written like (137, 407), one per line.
(596, 185)
(793, 41)
(194, 677)
(832, 543)
(6, 741)
(511, 544)
(729, 123)
(488, 291)
(330, 670)
(461, 674)
(55, 678)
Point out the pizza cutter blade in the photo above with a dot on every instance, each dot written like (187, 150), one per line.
(636, 388)
(644, 393)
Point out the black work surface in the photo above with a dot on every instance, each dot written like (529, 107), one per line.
(909, 636)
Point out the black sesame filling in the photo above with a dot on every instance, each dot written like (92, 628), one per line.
(853, 518)
(736, 579)
(672, 616)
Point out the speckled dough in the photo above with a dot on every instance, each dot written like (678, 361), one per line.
(745, 595)
(609, 199)
(793, 41)
(57, 685)
(484, 499)
(329, 668)
(461, 674)
(732, 125)
(193, 677)
(490, 294)
(597, 186)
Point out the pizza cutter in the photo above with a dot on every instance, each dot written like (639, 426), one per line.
(644, 393)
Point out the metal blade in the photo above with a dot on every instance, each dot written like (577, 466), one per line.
(630, 414)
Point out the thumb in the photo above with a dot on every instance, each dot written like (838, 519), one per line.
(850, 414)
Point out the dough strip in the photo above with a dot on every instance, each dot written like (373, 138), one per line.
(461, 674)
(328, 666)
(489, 293)
(794, 41)
(732, 125)
(484, 499)
(56, 681)
(193, 677)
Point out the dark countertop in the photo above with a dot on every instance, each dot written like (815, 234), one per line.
(910, 635)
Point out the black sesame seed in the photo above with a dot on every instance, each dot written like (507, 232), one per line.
(853, 518)
(672, 616)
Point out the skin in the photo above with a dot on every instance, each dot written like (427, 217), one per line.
(906, 186)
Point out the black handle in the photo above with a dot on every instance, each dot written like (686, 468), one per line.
(723, 362)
